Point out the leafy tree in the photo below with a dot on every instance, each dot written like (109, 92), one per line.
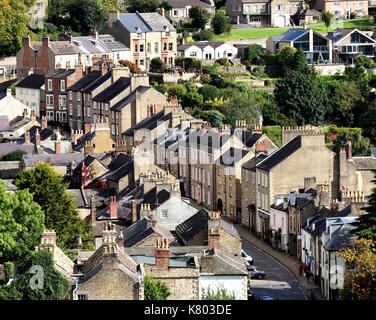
(189, 64)
(203, 35)
(218, 294)
(220, 23)
(366, 224)
(111, 5)
(286, 57)
(192, 98)
(209, 92)
(365, 62)
(253, 53)
(21, 224)
(299, 97)
(157, 65)
(143, 5)
(15, 155)
(49, 191)
(214, 117)
(327, 18)
(134, 68)
(155, 289)
(14, 23)
(242, 106)
(360, 270)
(54, 286)
(199, 17)
(300, 62)
(360, 145)
(368, 121)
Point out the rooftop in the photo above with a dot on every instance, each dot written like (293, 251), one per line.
(33, 81)
(113, 90)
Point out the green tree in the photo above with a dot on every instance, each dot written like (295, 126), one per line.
(157, 65)
(365, 62)
(300, 62)
(111, 5)
(214, 117)
(218, 294)
(209, 92)
(254, 53)
(143, 5)
(54, 286)
(49, 191)
(203, 35)
(242, 106)
(220, 23)
(14, 23)
(15, 155)
(360, 145)
(299, 97)
(286, 57)
(366, 224)
(155, 289)
(199, 16)
(21, 224)
(327, 18)
(368, 121)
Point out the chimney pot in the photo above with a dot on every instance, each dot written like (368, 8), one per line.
(57, 147)
(113, 208)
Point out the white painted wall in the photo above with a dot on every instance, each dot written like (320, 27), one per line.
(226, 51)
(279, 219)
(193, 52)
(29, 97)
(234, 283)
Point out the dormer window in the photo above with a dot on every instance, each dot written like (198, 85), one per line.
(139, 32)
(167, 30)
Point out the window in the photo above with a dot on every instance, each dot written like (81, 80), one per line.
(165, 47)
(78, 96)
(156, 47)
(106, 119)
(94, 105)
(142, 62)
(170, 46)
(88, 111)
(113, 129)
(62, 85)
(50, 116)
(175, 13)
(118, 56)
(193, 54)
(49, 85)
(50, 100)
(70, 109)
(79, 111)
(106, 106)
(168, 33)
(82, 297)
(148, 47)
(164, 214)
(70, 95)
(141, 48)
(62, 101)
(136, 48)
(280, 7)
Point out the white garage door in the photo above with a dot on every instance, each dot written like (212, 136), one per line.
(280, 21)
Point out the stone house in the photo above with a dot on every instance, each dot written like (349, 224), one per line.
(30, 91)
(282, 171)
(147, 35)
(179, 11)
(275, 13)
(343, 9)
(109, 273)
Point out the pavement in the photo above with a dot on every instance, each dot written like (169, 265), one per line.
(255, 246)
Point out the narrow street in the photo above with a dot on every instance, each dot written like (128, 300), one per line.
(275, 272)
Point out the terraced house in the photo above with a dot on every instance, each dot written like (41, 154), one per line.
(343, 9)
(147, 35)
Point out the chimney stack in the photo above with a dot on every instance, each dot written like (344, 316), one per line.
(37, 137)
(121, 147)
(33, 116)
(43, 122)
(57, 147)
(113, 208)
(25, 114)
(213, 239)
(213, 230)
(261, 147)
(26, 41)
(27, 137)
(134, 210)
(162, 254)
(92, 210)
(48, 241)
(45, 41)
(89, 148)
(349, 150)
(145, 210)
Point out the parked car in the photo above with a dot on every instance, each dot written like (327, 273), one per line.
(251, 295)
(247, 258)
(267, 298)
(254, 273)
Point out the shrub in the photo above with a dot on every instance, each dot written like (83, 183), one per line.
(203, 35)
(15, 155)
(223, 62)
(134, 68)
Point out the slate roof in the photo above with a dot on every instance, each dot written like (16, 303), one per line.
(6, 148)
(193, 225)
(148, 123)
(119, 161)
(62, 73)
(113, 44)
(129, 98)
(90, 45)
(141, 230)
(340, 239)
(88, 136)
(96, 83)
(232, 156)
(281, 154)
(113, 90)
(85, 81)
(201, 44)
(44, 133)
(33, 81)
(249, 138)
(82, 197)
(63, 47)
(364, 163)
(202, 137)
(185, 3)
(121, 172)
(145, 22)
(338, 34)
(252, 163)
(53, 159)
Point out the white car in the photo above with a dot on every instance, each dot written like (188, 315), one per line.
(247, 258)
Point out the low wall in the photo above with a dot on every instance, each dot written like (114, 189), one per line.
(9, 169)
(175, 78)
(330, 69)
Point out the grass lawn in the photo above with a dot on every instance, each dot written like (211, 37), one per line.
(346, 25)
(257, 33)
